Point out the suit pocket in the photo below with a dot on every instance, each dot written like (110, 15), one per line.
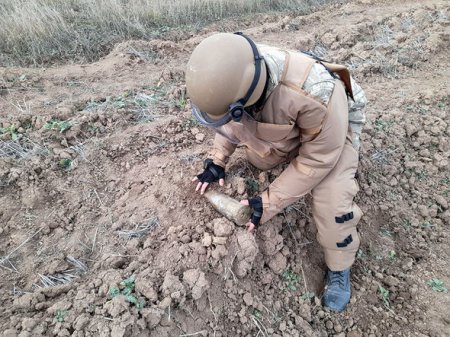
(273, 132)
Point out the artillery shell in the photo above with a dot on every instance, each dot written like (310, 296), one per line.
(230, 208)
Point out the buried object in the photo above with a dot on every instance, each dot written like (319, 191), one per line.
(230, 208)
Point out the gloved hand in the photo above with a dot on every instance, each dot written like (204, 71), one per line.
(211, 173)
(257, 207)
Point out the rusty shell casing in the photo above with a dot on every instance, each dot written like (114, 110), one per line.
(230, 208)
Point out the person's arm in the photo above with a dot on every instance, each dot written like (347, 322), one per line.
(222, 150)
(324, 131)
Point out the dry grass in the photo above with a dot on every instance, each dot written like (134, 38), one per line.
(39, 31)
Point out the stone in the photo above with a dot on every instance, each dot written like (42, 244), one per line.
(200, 137)
(277, 263)
(219, 240)
(197, 281)
(391, 281)
(10, 333)
(223, 227)
(207, 240)
(441, 201)
(248, 299)
(240, 185)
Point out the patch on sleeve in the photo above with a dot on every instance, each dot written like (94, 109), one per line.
(319, 84)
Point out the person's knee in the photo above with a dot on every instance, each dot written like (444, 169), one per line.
(340, 249)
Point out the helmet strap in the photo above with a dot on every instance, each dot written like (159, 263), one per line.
(236, 109)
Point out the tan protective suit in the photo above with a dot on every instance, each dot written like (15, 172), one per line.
(305, 120)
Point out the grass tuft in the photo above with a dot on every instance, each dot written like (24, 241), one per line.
(40, 31)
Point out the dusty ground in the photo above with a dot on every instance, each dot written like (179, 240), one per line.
(95, 170)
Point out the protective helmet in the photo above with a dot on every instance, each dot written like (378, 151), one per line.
(225, 73)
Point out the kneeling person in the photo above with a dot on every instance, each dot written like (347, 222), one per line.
(285, 106)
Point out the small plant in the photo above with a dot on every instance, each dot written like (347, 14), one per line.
(93, 128)
(382, 125)
(392, 255)
(360, 254)
(257, 313)
(446, 180)
(127, 287)
(189, 123)
(55, 124)
(12, 130)
(181, 101)
(422, 175)
(384, 296)
(118, 101)
(437, 285)
(441, 105)
(252, 184)
(309, 295)
(60, 315)
(427, 225)
(386, 232)
(291, 279)
(65, 164)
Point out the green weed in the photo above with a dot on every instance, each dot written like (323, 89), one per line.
(360, 254)
(392, 255)
(252, 184)
(11, 130)
(309, 295)
(418, 108)
(92, 128)
(384, 296)
(127, 290)
(386, 232)
(422, 175)
(60, 315)
(383, 125)
(65, 163)
(446, 180)
(28, 125)
(189, 123)
(442, 105)
(258, 314)
(437, 285)
(181, 101)
(56, 124)
(291, 279)
(427, 225)
(19, 78)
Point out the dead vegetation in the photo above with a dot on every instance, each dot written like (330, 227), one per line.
(39, 31)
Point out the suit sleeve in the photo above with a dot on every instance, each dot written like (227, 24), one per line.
(222, 150)
(324, 131)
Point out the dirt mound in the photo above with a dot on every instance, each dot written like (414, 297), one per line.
(102, 234)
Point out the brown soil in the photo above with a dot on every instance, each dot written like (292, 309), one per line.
(126, 161)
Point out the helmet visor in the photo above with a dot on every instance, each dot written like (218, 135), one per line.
(205, 120)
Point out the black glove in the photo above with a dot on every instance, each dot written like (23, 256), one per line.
(211, 173)
(257, 207)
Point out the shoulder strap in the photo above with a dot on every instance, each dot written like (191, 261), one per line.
(333, 68)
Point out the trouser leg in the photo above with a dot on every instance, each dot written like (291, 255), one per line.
(335, 213)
